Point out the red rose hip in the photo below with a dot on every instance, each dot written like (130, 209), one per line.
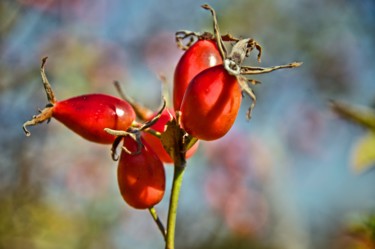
(141, 177)
(87, 115)
(211, 103)
(201, 55)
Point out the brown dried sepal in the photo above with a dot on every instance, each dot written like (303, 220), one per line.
(233, 61)
(46, 113)
(134, 133)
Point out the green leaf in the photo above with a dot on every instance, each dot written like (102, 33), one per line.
(363, 157)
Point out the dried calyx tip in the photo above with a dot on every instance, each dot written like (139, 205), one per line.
(134, 133)
(206, 6)
(296, 64)
(44, 115)
(27, 133)
(44, 60)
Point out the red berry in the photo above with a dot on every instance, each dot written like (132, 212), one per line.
(201, 55)
(211, 103)
(141, 177)
(88, 115)
(155, 143)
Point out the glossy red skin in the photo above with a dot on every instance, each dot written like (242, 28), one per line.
(201, 55)
(88, 115)
(211, 104)
(141, 177)
(155, 143)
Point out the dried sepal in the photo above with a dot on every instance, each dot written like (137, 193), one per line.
(176, 141)
(191, 38)
(142, 112)
(249, 92)
(134, 133)
(219, 41)
(172, 140)
(242, 48)
(46, 113)
(47, 86)
(247, 70)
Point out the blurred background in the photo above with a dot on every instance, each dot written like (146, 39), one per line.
(283, 180)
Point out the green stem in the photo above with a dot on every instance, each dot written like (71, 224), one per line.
(179, 169)
(174, 141)
(158, 222)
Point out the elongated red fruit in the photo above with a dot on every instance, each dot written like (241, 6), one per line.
(88, 115)
(211, 103)
(201, 55)
(155, 143)
(141, 177)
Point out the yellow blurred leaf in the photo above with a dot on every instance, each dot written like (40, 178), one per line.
(360, 115)
(363, 157)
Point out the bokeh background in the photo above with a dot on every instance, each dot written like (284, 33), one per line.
(282, 180)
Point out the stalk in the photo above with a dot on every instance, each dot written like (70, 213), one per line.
(175, 140)
(179, 170)
(158, 222)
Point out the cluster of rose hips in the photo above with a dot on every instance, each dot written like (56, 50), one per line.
(207, 93)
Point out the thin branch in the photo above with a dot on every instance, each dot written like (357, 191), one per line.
(158, 222)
